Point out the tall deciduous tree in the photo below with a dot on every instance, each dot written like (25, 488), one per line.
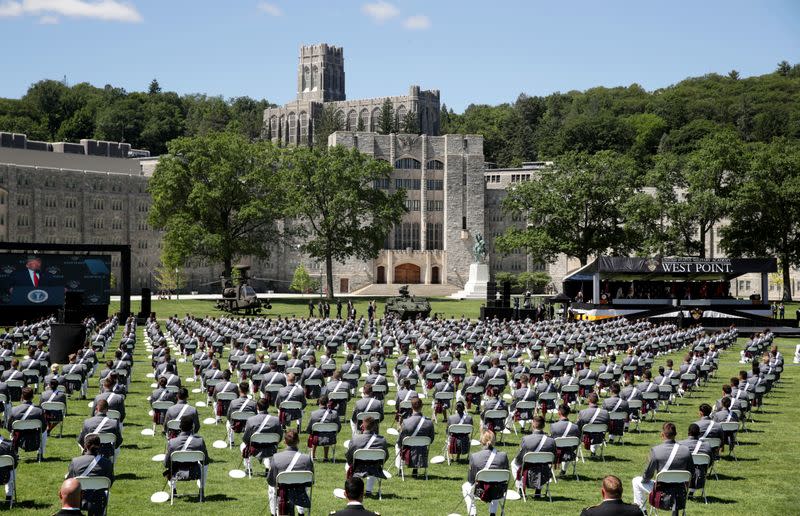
(573, 207)
(331, 195)
(710, 174)
(218, 197)
(330, 121)
(765, 208)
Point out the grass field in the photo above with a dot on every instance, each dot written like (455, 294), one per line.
(762, 481)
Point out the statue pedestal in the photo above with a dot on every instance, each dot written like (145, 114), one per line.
(475, 288)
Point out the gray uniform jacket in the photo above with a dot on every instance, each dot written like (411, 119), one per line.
(280, 463)
(79, 465)
(291, 393)
(254, 425)
(369, 404)
(115, 402)
(179, 443)
(241, 404)
(478, 461)
(181, 406)
(531, 442)
(324, 415)
(92, 426)
(367, 469)
(659, 456)
(418, 455)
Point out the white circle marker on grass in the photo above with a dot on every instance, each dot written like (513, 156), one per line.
(339, 493)
(346, 444)
(158, 458)
(220, 444)
(475, 442)
(200, 404)
(150, 375)
(159, 497)
(387, 474)
(392, 431)
(190, 379)
(512, 495)
(507, 396)
(237, 473)
(197, 390)
(391, 403)
(148, 432)
(438, 459)
(209, 421)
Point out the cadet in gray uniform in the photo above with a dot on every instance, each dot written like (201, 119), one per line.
(367, 439)
(596, 415)
(459, 444)
(261, 423)
(185, 441)
(284, 500)
(7, 448)
(366, 404)
(101, 423)
(695, 445)
(487, 458)
(564, 428)
(534, 475)
(291, 392)
(180, 409)
(52, 394)
(92, 464)
(240, 404)
(414, 425)
(324, 414)
(667, 456)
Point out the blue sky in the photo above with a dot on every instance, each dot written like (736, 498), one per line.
(473, 52)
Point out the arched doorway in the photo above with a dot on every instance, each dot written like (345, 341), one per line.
(435, 275)
(406, 273)
(381, 274)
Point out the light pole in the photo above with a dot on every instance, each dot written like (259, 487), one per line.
(177, 284)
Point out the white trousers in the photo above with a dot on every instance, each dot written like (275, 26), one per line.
(641, 490)
(272, 492)
(469, 499)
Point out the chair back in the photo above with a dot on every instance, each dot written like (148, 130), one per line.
(291, 405)
(417, 441)
(673, 476)
(568, 389)
(265, 438)
(595, 428)
(227, 396)
(6, 461)
(361, 416)
(162, 405)
(526, 405)
(459, 429)
(316, 382)
(295, 477)
(614, 416)
(651, 395)
(713, 442)
(444, 396)
(174, 424)
(474, 389)
(369, 454)
(495, 414)
(26, 424)
(338, 395)
(458, 371)
(729, 426)
(239, 415)
(188, 456)
(18, 383)
(54, 406)
(635, 404)
(324, 428)
(701, 459)
(548, 396)
(493, 475)
(113, 414)
(105, 438)
(94, 483)
(567, 442)
(295, 370)
(539, 458)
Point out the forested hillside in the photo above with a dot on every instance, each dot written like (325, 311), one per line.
(633, 121)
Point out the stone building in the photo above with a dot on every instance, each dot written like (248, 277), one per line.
(321, 83)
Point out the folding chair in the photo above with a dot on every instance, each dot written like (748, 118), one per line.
(731, 427)
(295, 370)
(588, 386)
(665, 395)
(70, 380)
(236, 416)
(619, 416)
(338, 397)
(317, 382)
(443, 397)
(161, 406)
(524, 406)
(494, 476)
(649, 398)
(260, 439)
(107, 438)
(28, 425)
(675, 478)
(538, 458)
(18, 385)
(326, 428)
(597, 428)
(456, 429)
(56, 406)
(475, 390)
(635, 407)
(271, 389)
(187, 457)
(547, 397)
(96, 484)
(7, 461)
(293, 405)
(414, 442)
(571, 390)
(703, 459)
(113, 414)
(223, 396)
(31, 377)
(371, 455)
(293, 478)
(498, 414)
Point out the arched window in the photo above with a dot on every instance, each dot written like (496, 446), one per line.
(375, 120)
(314, 79)
(364, 119)
(303, 127)
(306, 78)
(352, 120)
(273, 127)
(435, 164)
(407, 163)
(292, 128)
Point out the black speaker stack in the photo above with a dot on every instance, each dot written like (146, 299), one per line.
(146, 306)
(73, 307)
(491, 293)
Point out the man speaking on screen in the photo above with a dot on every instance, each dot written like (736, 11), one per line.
(32, 276)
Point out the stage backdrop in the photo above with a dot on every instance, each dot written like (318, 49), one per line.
(43, 279)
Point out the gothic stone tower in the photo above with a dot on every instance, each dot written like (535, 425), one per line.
(320, 73)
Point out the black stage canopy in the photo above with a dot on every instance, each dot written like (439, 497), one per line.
(620, 268)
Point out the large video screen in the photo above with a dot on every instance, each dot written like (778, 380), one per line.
(44, 279)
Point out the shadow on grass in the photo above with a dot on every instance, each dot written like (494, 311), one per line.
(30, 504)
(219, 497)
(391, 496)
(128, 476)
(723, 476)
(715, 499)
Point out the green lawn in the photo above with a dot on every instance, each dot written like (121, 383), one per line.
(763, 481)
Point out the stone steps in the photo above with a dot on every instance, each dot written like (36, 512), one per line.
(386, 290)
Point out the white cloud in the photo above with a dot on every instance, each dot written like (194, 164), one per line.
(270, 9)
(380, 11)
(107, 10)
(48, 20)
(418, 22)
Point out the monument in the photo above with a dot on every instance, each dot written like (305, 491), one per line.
(475, 287)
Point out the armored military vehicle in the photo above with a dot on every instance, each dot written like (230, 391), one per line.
(241, 298)
(407, 306)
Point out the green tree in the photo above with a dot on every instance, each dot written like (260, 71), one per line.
(360, 125)
(765, 208)
(410, 123)
(386, 118)
(710, 175)
(154, 88)
(573, 207)
(45, 98)
(332, 197)
(302, 281)
(170, 279)
(783, 68)
(733, 75)
(535, 281)
(217, 196)
(330, 121)
(503, 276)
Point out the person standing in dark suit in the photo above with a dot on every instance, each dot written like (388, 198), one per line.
(70, 496)
(354, 491)
(612, 504)
(32, 276)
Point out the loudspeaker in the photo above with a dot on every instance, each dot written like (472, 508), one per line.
(506, 294)
(65, 339)
(491, 293)
(146, 304)
(73, 307)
